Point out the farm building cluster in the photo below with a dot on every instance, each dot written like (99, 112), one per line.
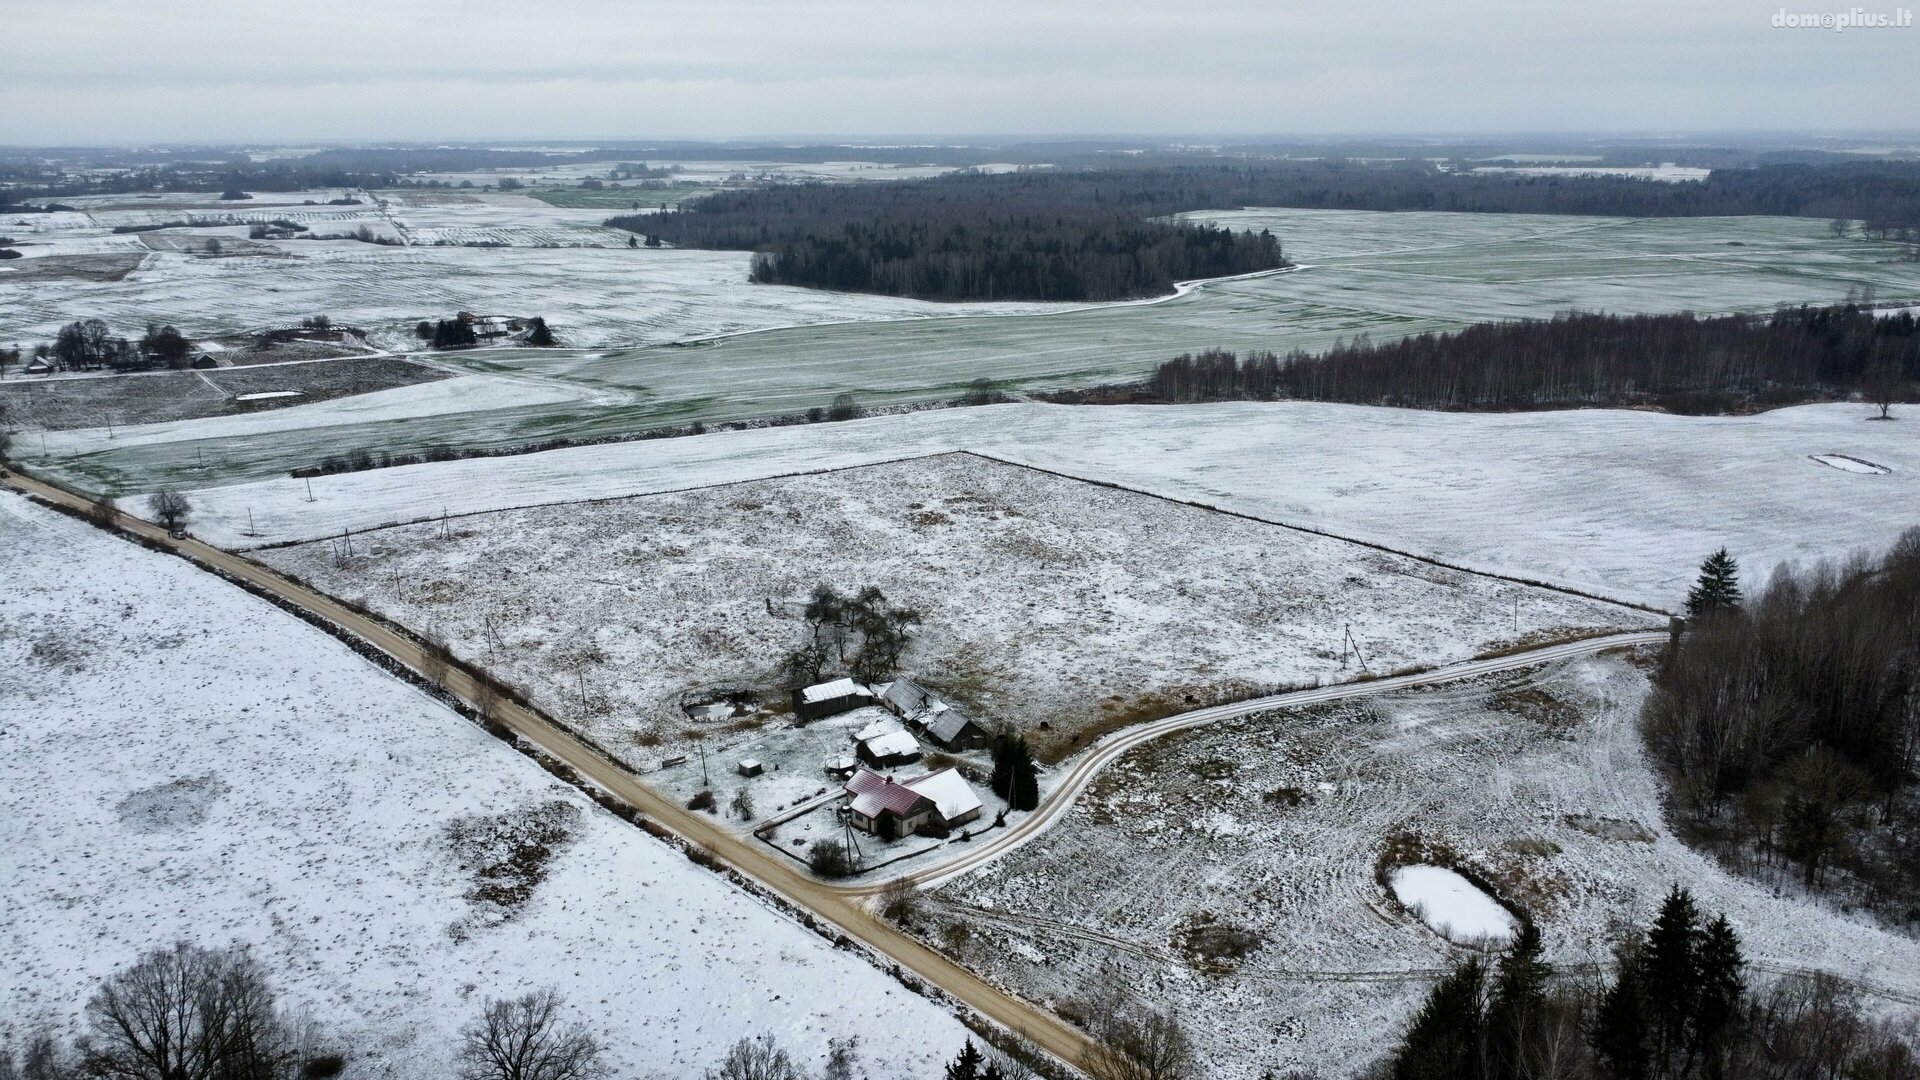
(880, 804)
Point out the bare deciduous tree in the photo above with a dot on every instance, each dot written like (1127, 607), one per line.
(757, 1059)
(187, 1013)
(169, 507)
(526, 1038)
(1141, 1044)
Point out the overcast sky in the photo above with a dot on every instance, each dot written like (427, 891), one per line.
(91, 71)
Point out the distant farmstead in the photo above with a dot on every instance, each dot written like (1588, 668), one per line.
(829, 699)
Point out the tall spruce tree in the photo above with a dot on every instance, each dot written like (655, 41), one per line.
(1721, 988)
(1443, 1042)
(1023, 780)
(1717, 590)
(1620, 1034)
(1673, 973)
(1516, 1004)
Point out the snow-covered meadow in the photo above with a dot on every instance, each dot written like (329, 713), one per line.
(1053, 605)
(181, 760)
(1616, 502)
(1265, 919)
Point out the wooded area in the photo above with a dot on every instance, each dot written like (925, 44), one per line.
(1018, 236)
(1791, 728)
(1683, 363)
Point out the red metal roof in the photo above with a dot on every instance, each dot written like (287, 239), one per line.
(873, 793)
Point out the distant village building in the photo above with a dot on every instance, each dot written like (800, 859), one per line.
(829, 699)
(205, 360)
(944, 726)
(37, 366)
(891, 808)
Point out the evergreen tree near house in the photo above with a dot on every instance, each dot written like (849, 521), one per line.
(1015, 777)
(1718, 589)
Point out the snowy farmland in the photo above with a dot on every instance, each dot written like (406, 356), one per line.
(682, 336)
(150, 400)
(1615, 502)
(539, 259)
(1046, 601)
(182, 760)
(1266, 920)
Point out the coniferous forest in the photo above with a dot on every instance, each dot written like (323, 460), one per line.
(1683, 363)
(1023, 236)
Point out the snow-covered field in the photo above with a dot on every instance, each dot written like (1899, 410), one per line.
(626, 311)
(181, 760)
(1616, 502)
(1276, 827)
(141, 405)
(1045, 600)
(465, 395)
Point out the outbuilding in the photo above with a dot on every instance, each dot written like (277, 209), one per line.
(751, 767)
(942, 724)
(888, 750)
(829, 699)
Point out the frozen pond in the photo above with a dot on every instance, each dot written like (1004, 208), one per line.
(1452, 905)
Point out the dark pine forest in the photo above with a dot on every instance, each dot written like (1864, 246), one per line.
(1022, 236)
(1682, 363)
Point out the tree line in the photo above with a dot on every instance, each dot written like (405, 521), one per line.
(1081, 236)
(1789, 724)
(1682, 363)
(91, 345)
(1677, 1006)
(1883, 195)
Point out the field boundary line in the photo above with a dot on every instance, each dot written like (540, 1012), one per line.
(1374, 544)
